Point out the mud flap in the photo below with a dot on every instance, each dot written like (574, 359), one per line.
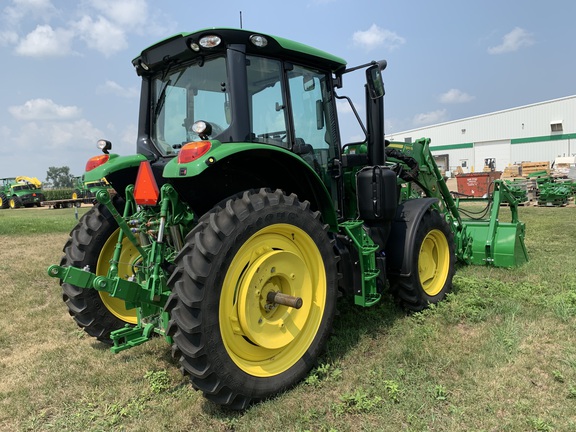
(400, 245)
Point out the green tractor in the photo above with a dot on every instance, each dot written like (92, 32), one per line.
(16, 192)
(243, 217)
(86, 191)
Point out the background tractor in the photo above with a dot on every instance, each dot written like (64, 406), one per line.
(86, 191)
(243, 217)
(22, 191)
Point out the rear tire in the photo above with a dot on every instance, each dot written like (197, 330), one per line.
(432, 265)
(91, 244)
(235, 346)
(4, 202)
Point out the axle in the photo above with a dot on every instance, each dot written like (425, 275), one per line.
(284, 299)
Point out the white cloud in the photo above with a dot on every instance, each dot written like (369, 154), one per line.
(116, 89)
(429, 118)
(101, 35)
(5, 136)
(455, 96)
(69, 134)
(106, 24)
(126, 13)
(43, 109)
(8, 37)
(376, 37)
(44, 41)
(513, 41)
(129, 136)
(42, 9)
(344, 107)
(103, 25)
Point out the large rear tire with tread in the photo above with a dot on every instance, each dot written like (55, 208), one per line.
(432, 265)
(91, 244)
(236, 346)
(4, 202)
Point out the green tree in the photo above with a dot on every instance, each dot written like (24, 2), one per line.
(60, 177)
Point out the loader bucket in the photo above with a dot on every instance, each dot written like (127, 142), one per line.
(497, 244)
(492, 241)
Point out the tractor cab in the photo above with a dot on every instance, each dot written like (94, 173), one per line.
(235, 86)
(239, 89)
(240, 110)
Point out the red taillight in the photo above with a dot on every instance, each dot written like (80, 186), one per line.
(193, 150)
(146, 189)
(96, 161)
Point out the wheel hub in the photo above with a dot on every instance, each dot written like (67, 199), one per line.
(433, 262)
(427, 266)
(271, 325)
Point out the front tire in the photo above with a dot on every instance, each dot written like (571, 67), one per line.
(15, 202)
(91, 244)
(432, 265)
(236, 346)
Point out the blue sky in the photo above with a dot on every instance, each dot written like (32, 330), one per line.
(67, 79)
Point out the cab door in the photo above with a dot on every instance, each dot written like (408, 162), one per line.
(312, 114)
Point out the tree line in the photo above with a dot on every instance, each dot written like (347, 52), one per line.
(59, 177)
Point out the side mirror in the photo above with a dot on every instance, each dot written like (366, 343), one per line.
(374, 80)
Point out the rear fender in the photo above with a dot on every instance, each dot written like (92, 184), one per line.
(229, 169)
(114, 163)
(400, 245)
(119, 171)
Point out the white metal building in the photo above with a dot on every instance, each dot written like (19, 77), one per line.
(532, 133)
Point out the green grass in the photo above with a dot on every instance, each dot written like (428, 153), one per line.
(498, 355)
(33, 221)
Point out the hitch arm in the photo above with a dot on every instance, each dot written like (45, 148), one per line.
(130, 292)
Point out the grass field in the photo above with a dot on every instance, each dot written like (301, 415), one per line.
(498, 355)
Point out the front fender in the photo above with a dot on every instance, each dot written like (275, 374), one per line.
(400, 245)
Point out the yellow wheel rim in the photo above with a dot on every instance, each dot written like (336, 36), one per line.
(74, 195)
(266, 339)
(12, 203)
(434, 262)
(128, 257)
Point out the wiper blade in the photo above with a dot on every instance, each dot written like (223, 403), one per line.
(162, 98)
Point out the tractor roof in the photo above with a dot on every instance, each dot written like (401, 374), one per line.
(185, 46)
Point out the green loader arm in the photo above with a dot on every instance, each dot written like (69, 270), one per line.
(478, 241)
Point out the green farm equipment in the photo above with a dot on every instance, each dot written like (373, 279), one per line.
(554, 194)
(519, 189)
(86, 191)
(22, 191)
(243, 216)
